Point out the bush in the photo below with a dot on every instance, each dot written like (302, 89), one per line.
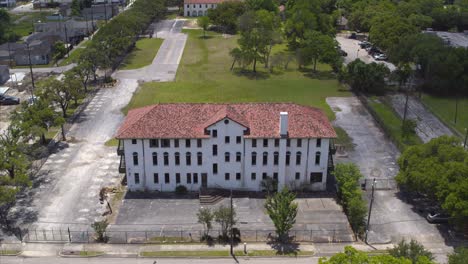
(181, 189)
(412, 250)
(100, 229)
(408, 128)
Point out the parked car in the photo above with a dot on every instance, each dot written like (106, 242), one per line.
(9, 100)
(364, 44)
(380, 57)
(437, 218)
(352, 36)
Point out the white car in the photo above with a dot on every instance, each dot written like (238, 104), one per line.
(380, 57)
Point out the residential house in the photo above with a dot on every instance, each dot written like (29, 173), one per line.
(70, 31)
(39, 52)
(7, 50)
(194, 8)
(4, 74)
(7, 3)
(100, 12)
(232, 146)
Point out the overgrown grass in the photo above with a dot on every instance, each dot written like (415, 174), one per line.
(74, 55)
(392, 124)
(444, 109)
(343, 138)
(113, 142)
(222, 253)
(90, 253)
(9, 252)
(204, 76)
(23, 22)
(143, 54)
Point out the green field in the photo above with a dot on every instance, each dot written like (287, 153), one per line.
(143, 53)
(392, 124)
(444, 108)
(204, 76)
(23, 22)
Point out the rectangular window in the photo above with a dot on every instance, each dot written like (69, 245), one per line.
(155, 159)
(254, 159)
(238, 157)
(288, 158)
(238, 139)
(165, 143)
(227, 139)
(189, 178)
(187, 143)
(199, 159)
(166, 178)
(215, 133)
(215, 168)
(177, 178)
(254, 143)
(298, 175)
(238, 176)
(264, 176)
(288, 142)
(195, 178)
(188, 159)
(156, 178)
(226, 176)
(215, 150)
(133, 141)
(299, 143)
(137, 178)
(315, 177)
(276, 142)
(199, 143)
(166, 159)
(275, 176)
(265, 143)
(298, 159)
(177, 158)
(265, 158)
(319, 142)
(227, 157)
(176, 143)
(275, 158)
(135, 158)
(253, 176)
(154, 143)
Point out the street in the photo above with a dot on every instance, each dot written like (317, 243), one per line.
(66, 189)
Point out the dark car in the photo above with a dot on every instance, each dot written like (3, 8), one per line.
(437, 218)
(364, 44)
(9, 100)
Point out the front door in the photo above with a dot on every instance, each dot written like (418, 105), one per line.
(204, 180)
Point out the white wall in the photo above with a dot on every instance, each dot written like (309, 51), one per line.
(193, 10)
(146, 169)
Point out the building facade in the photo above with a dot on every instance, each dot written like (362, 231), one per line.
(7, 3)
(231, 146)
(196, 8)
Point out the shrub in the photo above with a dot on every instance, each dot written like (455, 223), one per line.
(180, 189)
(100, 229)
(412, 250)
(408, 128)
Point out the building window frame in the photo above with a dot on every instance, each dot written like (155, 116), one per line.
(136, 177)
(166, 159)
(155, 158)
(135, 158)
(188, 159)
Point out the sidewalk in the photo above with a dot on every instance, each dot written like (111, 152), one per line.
(134, 250)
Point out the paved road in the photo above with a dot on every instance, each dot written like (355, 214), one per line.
(59, 69)
(354, 51)
(392, 218)
(428, 126)
(67, 187)
(164, 66)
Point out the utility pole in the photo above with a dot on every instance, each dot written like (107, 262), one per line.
(370, 209)
(456, 108)
(105, 10)
(466, 137)
(231, 224)
(66, 40)
(30, 69)
(406, 108)
(9, 54)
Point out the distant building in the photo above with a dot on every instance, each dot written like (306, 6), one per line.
(454, 39)
(4, 74)
(7, 3)
(40, 49)
(70, 31)
(195, 8)
(225, 146)
(100, 12)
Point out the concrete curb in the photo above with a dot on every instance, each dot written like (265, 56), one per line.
(79, 256)
(11, 255)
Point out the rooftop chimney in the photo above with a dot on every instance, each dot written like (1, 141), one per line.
(283, 124)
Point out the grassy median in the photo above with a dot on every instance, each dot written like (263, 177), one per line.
(204, 76)
(223, 253)
(143, 54)
(445, 107)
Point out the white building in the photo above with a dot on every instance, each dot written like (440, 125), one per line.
(225, 146)
(194, 8)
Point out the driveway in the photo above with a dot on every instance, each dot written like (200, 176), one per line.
(66, 189)
(166, 62)
(392, 218)
(351, 47)
(428, 126)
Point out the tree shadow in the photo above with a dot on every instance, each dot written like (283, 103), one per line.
(249, 74)
(205, 37)
(320, 75)
(289, 247)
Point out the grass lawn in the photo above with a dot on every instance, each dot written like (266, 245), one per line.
(74, 54)
(7, 252)
(143, 53)
(113, 142)
(392, 124)
(23, 22)
(444, 109)
(204, 76)
(221, 253)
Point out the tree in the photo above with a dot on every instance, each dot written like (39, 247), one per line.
(387, 31)
(402, 74)
(226, 15)
(57, 92)
(267, 5)
(59, 50)
(368, 78)
(318, 47)
(269, 185)
(351, 255)
(35, 119)
(412, 251)
(13, 158)
(205, 217)
(459, 256)
(236, 55)
(76, 7)
(74, 86)
(408, 128)
(100, 230)
(282, 211)
(226, 218)
(83, 72)
(203, 22)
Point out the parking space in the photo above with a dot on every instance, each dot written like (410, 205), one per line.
(354, 51)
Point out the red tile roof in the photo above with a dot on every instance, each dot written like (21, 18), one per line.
(190, 120)
(204, 1)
